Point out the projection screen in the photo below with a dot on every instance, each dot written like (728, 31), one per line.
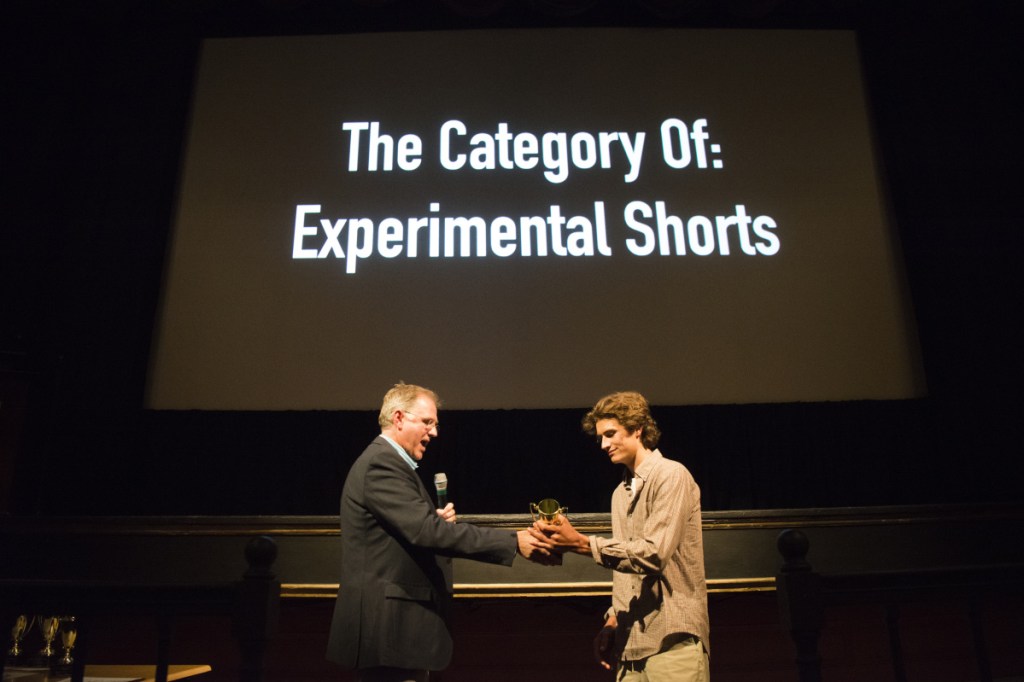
(531, 219)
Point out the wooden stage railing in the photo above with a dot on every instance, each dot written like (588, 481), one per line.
(887, 554)
(805, 596)
(251, 602)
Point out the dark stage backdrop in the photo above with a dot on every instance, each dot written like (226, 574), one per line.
(93, 148)
(763, 456)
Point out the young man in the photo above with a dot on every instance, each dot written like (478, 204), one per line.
(390, 619)
(657, 627)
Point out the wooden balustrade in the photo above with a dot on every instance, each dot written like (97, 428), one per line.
(251, 602)
(805, 596)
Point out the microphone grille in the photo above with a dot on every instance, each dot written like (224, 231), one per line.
(440, 481)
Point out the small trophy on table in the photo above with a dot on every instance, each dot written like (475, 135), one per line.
(67, 637)
(48, 629)
(17, 633)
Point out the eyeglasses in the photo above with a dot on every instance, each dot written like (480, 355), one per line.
(430, 423)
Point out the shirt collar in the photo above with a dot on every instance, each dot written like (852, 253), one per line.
(644, 470)
(401, 451)
(634, 481)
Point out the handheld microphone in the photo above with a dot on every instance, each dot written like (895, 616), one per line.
(441, 484)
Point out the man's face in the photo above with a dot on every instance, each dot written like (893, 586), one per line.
(415, 427)
(621, 445)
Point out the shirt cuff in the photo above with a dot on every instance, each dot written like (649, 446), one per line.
(595, 550)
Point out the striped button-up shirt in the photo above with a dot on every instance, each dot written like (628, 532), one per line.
(657, 552)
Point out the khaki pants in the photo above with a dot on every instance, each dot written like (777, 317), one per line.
(686, 661)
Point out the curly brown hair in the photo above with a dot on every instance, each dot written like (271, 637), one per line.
(631, 410)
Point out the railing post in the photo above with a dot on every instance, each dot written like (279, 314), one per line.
(800, 609)
(165, 633)
(256, 612)
(978, 635)
(892, 624)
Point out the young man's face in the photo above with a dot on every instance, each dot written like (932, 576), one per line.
(621, 445)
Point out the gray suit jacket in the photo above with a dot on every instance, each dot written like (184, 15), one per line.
(396, 581)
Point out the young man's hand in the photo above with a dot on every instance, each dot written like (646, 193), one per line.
(562, 536)
(604, 645)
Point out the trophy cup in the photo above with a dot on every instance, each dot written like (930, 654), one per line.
(548, 510)
(67, 638)
(48, 629)
(17, 632)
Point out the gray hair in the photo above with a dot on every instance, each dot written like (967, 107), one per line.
(402, 396)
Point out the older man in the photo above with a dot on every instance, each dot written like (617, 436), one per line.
(390, 618)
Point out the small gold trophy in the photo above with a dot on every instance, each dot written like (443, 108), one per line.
(48, 629)
(548, 510)
(17, 632)
(67, 637)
